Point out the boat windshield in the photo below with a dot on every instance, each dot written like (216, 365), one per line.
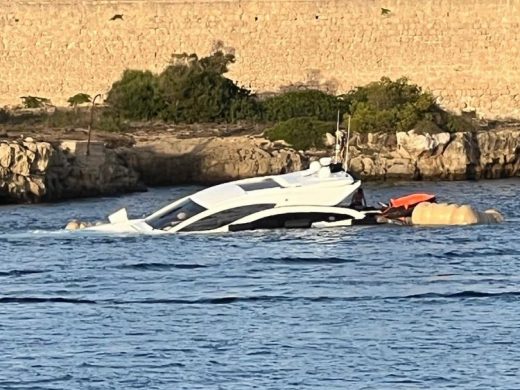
(170, 218)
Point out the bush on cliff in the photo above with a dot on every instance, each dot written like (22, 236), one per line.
(390, 106)
(79, 99)
(302, 133)
(35, 102)
(456, 123)
(190, 89)
(136, 96)
(195, 90)
(308, 103)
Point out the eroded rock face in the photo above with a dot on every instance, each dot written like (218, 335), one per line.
(33, 171)
(412, 155)
(169, 160)
(73, 173)
(444, 156)
(499, 153)
(20, 178)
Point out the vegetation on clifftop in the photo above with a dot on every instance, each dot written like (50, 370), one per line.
(306, 103)
(302, 133)
(390, 106)
(189, 90)
(195, 90)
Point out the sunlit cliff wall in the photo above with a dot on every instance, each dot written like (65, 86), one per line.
(465, 51)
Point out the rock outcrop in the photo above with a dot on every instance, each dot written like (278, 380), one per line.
(23, 165)
(169, 160)
(413, 155)
(33, 171)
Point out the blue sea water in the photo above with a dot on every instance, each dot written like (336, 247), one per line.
(376, 307)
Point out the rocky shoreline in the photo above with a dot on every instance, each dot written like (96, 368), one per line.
(51, 169)
(485, 154)
(32, 171)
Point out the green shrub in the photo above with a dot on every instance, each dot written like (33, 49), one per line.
(302, 133)
(427, 127)
(456, 123)
(35, 102)
(136, 96)
(391, 106)
(309, 103)
(79, 98)
(195, 90)
(248, 108)
(65, 118)
(188, 90)
(109, 121)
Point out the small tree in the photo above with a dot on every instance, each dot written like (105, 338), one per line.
(190, 89)
(388, 105)
(136, 96)
(35, 102)
(195, 90)
(76, 100)
(79, 98)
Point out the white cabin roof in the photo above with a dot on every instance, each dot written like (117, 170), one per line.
(211, 196)
(303, 186)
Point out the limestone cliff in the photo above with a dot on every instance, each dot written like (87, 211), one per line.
(488, 154)
(169, 160)
(33, 171)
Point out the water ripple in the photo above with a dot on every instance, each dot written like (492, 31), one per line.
(362, 307)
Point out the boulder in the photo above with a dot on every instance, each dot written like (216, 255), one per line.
(6, 155)
(457, 157)
(329, 140)
(417, 143)
(34, 171)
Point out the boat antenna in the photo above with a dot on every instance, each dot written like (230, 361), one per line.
(345, 161)
(339, 137)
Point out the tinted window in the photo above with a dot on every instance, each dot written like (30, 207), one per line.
(225, 217)
(260, 185)
(290, 220)
(173, 217)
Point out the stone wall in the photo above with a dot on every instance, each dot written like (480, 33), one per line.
(465, 52)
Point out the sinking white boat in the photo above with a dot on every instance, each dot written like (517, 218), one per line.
(310, 198)
(317, 197)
